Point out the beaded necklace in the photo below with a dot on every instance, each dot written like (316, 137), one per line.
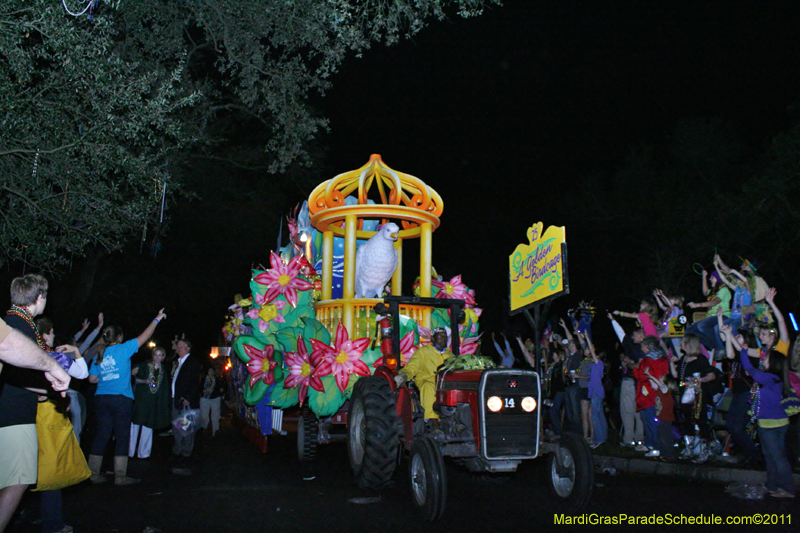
(26, 316)
(156, 383)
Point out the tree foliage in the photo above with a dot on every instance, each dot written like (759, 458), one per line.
(86, 137)
(98, 115)
(697, 191)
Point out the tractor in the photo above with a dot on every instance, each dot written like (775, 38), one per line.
(490, 421)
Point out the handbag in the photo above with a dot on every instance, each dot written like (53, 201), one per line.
(186, 422)
(61, 461)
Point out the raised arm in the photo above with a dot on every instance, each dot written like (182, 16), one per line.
(92, 335)
(150, 329)
(567, 332)
(529, 357)
(617, 328)
(84, 327)
(723, 271)
(783, 331)
(661, 300)
(589, 345)
(727, 333)
(626, 315)
(706, 288)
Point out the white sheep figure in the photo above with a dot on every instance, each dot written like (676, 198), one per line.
(376, 261)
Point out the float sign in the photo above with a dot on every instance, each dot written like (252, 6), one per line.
(538, 270)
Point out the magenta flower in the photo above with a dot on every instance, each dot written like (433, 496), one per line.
(268, 312)
(261, 365)
(470, 345)
(341, 359)
(454, 289)
(301, 370)
(407, 349)
(283, 279)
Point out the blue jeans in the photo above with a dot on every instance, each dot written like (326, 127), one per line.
(650, 426)
(779, 471)
(555, 411)
(665, 440)
(572, 409)
(113, 413)
(599, 424)
(50, 507)
(736, 424)
(704, 329)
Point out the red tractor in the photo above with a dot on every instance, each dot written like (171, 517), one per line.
(490, 422)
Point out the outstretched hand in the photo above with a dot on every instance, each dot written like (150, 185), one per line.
(770, 297)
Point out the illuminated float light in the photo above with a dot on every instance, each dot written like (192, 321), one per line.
(528, 404)
(494, 403)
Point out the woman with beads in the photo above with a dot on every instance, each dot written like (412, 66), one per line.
(113, 400)
(150, 403)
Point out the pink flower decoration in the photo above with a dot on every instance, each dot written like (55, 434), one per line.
(301, 370)
(470, 345)
(341, 359)
(261, 365)
(283, 279)
(454, 289)
(407, 349)
(268, 312)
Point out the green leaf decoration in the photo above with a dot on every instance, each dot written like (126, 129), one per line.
(328, 402)
(406, 325)
(254, 395)
(287, 339)
(369, 357)
(313, 329)
(282, 398)
(439, 319)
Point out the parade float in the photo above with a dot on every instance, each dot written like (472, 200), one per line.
(308, 330)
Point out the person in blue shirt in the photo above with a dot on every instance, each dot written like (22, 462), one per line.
(111, 370)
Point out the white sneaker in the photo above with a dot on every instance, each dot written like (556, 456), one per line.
(641, 448)
(653, 453)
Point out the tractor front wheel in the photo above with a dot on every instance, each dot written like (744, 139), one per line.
(428, 478)
(373, 435)
(571, 472)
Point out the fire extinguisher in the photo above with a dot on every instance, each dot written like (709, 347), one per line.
(386, 334)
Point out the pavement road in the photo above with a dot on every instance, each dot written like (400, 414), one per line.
(235, 488)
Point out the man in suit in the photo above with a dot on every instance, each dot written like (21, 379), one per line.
(185, 393)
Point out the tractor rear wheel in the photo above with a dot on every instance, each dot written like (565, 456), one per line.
(571, 472)
(428, 478)
(373, 435)
(307, 433)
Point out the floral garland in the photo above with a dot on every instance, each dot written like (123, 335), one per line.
(26, 316)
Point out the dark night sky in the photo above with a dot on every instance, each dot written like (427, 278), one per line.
(502, 115)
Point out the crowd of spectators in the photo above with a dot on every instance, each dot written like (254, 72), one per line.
(696, 379)
(51, 387)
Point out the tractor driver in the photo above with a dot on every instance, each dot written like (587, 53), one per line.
(422, 369)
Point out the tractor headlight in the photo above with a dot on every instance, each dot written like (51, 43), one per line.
(494, 403)
(528, 403)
